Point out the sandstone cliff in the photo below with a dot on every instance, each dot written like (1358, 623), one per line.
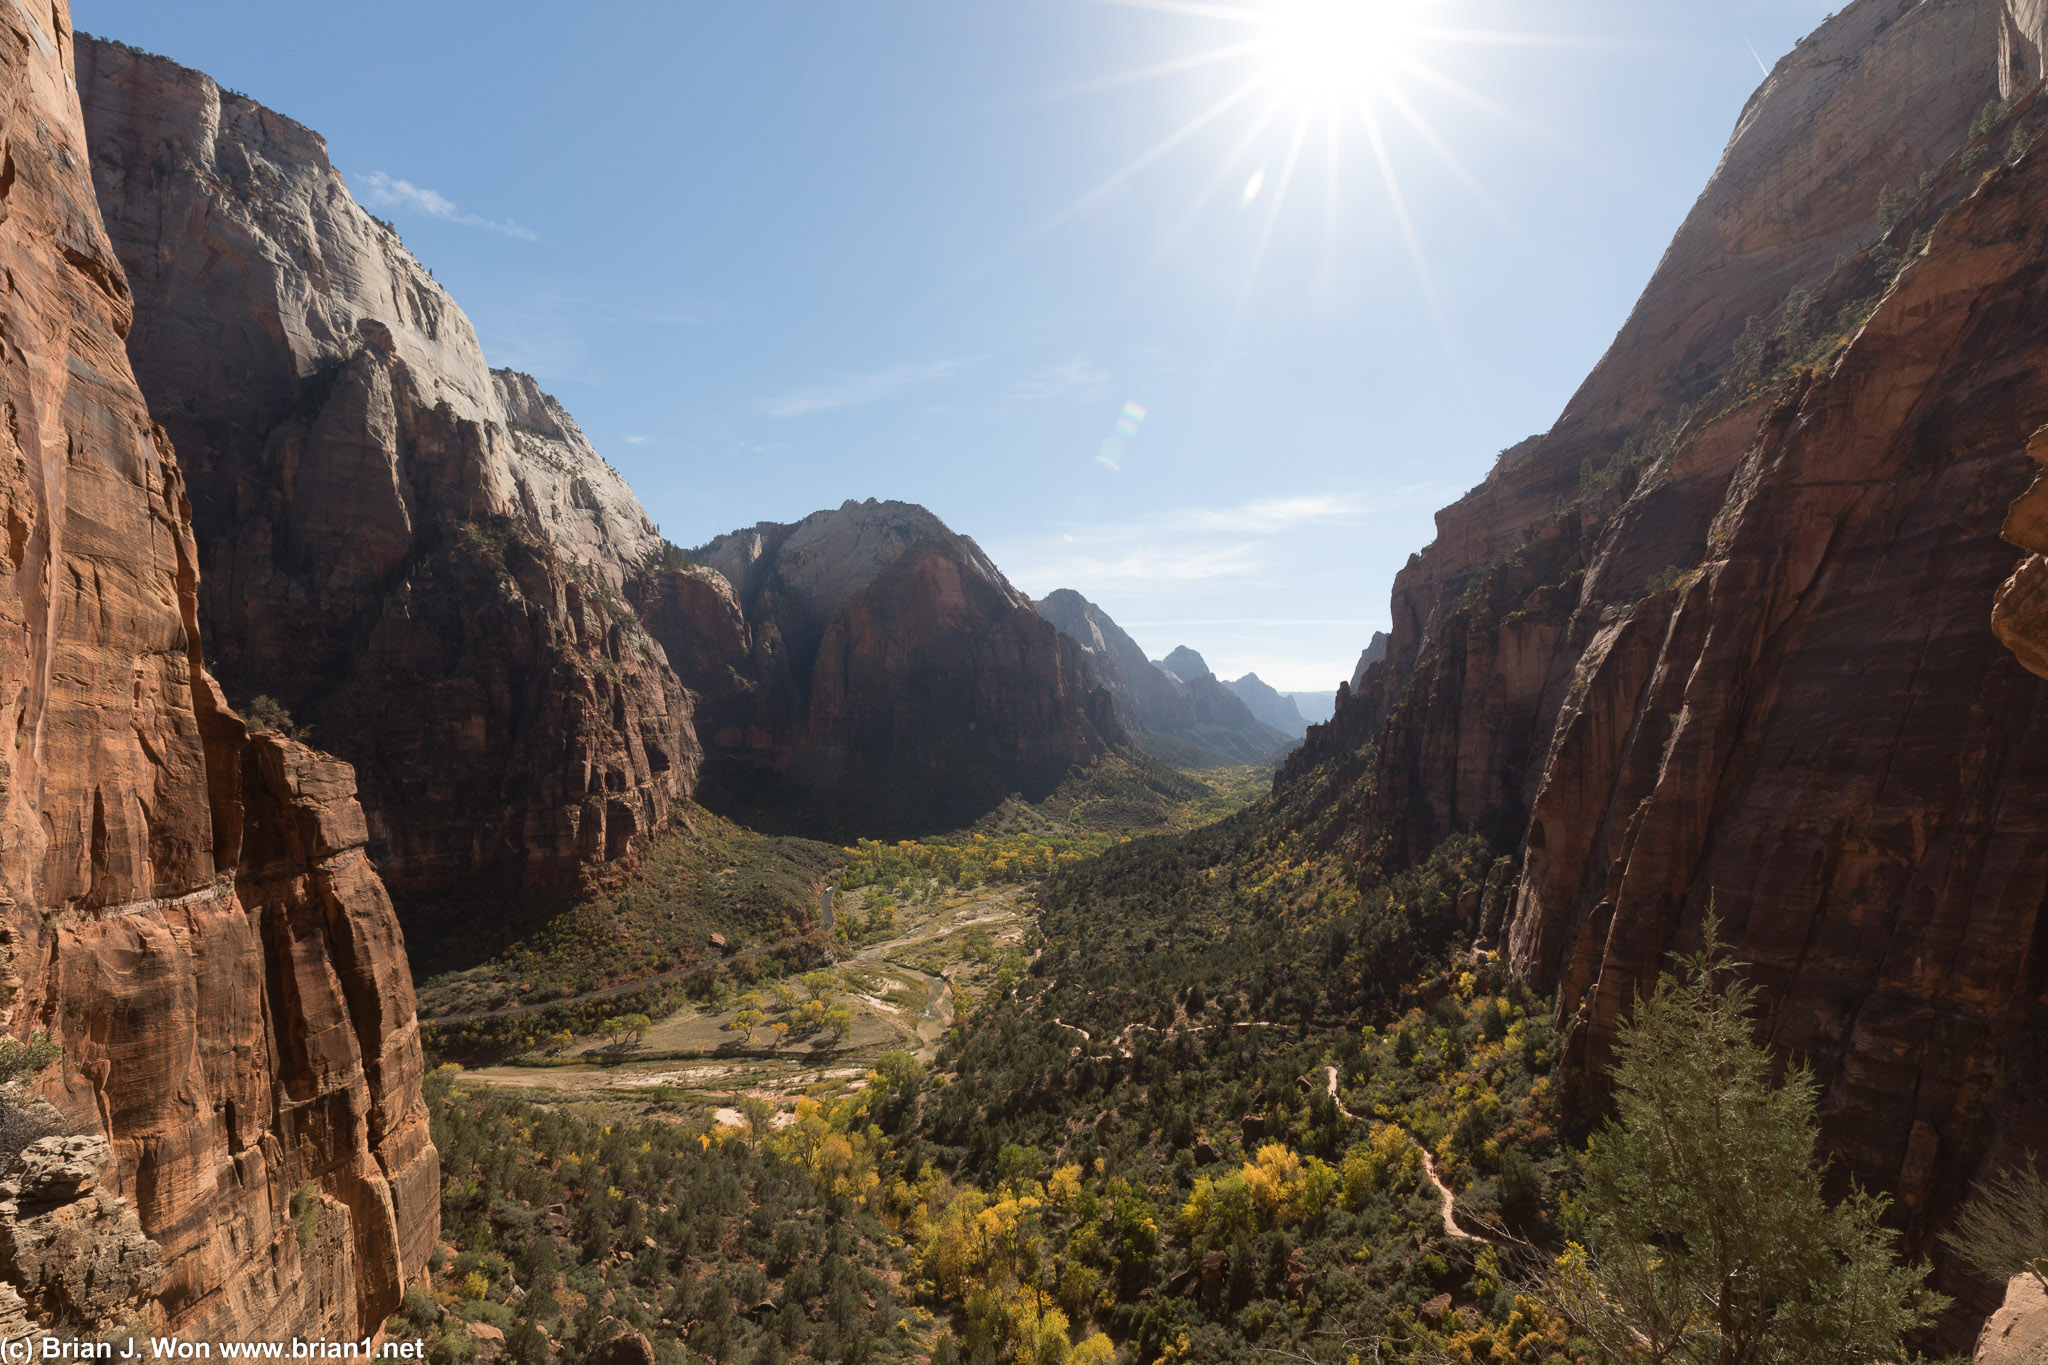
(868, 668)
(186, 909)
(1722, 639)
(1196, 723)
(420, 557)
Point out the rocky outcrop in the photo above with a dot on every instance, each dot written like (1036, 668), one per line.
(2017, 1334)
(869, 669)
(1722, 640)
(1193, 722)
(188, 911)
(75, 1253)
(1374, 651)
(421, 558)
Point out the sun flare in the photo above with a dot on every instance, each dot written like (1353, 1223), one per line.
(1328, 50)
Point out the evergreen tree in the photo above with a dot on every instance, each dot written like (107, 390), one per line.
(1708, 1240)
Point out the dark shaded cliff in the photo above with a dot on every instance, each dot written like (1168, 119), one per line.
(1723, 639)
(420, 557)
(185, 908)
(869, 670)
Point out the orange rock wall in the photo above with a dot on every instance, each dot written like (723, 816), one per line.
(188, 910)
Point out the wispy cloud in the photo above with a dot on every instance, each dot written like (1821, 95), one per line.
(1268, 516)
(859, 390)
(1074, 381)
(1151, 564)
(633, 440)
(388, 192)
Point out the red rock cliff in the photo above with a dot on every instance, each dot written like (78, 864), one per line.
(1723, 637)
(887, 676)
(419, 556)
(189, 911)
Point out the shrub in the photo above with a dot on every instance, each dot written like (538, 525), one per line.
(305, 1213)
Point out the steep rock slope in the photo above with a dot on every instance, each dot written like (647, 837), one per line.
(420, 557)
(873, 668)
(1198, 723)
(186, 909)
(1723, 638)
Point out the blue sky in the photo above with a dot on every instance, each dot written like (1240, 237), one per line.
(1162, 339)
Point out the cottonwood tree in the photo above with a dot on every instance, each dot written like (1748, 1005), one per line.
(1707, 1238)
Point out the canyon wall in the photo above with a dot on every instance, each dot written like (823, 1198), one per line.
(186, 909)
(1722, 640)
(869, 668)
(421, 558)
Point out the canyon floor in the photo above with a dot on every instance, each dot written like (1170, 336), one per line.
(904, 992)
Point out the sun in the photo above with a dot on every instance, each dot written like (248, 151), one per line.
(1330, 50)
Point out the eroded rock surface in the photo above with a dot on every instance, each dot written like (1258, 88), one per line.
(74, 1251)
(421, 557)
(233, 1002)
(2017, 1334)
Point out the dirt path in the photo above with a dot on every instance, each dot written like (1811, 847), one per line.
(1447, 1202)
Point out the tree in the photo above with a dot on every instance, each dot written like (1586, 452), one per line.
(1707, 1237)
(839, 1019)
(2003, 1230)
(748, 1020)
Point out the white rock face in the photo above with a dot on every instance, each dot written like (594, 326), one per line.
(316, 265)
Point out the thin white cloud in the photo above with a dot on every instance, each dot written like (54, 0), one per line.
(1271, 516)
(639, 440)
(1074, 381)
(388, 192)
(856, 391)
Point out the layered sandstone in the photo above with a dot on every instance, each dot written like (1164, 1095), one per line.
(1722, 640)
(188, 911)
(421, 557)
(1194, 722)
(868, 667)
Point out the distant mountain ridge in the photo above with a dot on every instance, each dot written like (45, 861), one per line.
(1176, 709)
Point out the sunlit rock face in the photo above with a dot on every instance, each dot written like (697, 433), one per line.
(186, 909)
(421, 557)
(869, 668)
(1732, 648)
(2017, 1334)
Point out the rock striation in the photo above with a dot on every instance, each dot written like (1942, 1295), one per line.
(1193, 721)
(422, 558)
(1723, 639)
(188, 910)
(869, 669)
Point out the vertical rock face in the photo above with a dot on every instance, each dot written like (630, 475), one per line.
(187, 910)
(420, 557)
(1193, 720)
(870, 662)
(1723, 639)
